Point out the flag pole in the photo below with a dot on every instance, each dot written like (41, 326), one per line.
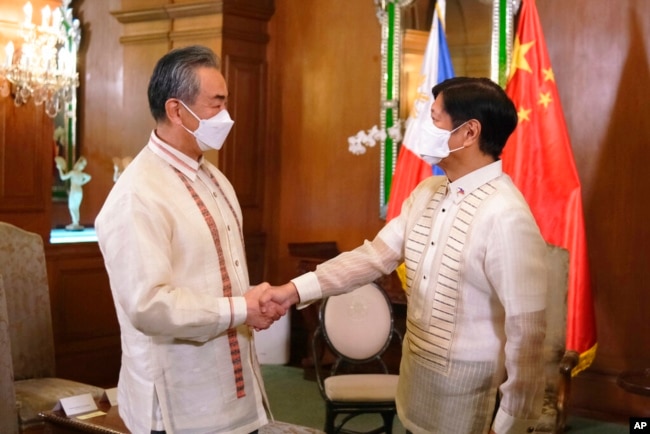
(503, 12)
(390, 18)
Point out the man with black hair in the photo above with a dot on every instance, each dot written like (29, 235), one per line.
(472, 357)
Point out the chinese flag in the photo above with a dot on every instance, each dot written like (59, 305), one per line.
(539, 159)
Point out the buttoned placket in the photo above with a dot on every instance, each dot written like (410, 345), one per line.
(439, 219)
(232, 230)
(211, 184)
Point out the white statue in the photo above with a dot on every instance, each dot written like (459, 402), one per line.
(77, 178)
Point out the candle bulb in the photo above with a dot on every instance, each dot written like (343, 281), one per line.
(61, 61)
(27, 54)
(9, 53)
(72, 63)
(45, 17)
(56, 18)
(27, 9)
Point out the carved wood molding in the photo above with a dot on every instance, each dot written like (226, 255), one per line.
(255, 10)
(166, 36)
(194, 34)
(170, 11)
(414, 41)
(258, 9)
(472, 50)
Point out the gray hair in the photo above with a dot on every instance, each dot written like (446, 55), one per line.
(174, 76)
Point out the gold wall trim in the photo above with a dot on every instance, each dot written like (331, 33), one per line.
(170, 36)
(171, 11)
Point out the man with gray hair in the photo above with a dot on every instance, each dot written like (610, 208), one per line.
(171, 235)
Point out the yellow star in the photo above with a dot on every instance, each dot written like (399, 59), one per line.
(519, 56)
(548, 74)
(545, 99)
(523, 113)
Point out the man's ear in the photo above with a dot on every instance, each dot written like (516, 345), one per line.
(172, 108)
(473, 131)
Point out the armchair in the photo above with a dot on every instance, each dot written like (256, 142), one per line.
(559, 361)
(8, 410)
(29, 323)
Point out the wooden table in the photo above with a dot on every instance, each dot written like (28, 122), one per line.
(56, 422)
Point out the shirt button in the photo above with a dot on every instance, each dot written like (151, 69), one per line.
(432, 243)
(228, 227)
(214, 194)
(236, 262)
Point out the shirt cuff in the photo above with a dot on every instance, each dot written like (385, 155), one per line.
(238, 311)
(308, 289)
(506, 424)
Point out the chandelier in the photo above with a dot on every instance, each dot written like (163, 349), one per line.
(44, 66)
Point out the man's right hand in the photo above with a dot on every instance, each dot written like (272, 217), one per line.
(258, 318)
(285, 296)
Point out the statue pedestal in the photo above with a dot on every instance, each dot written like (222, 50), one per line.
(74, 227)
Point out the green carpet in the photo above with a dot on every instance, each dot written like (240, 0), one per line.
(296, 400)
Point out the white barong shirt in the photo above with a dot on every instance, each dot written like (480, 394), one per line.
(476, 294)
(177, 372)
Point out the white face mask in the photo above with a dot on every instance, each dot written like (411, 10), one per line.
(434, 143)
(212, 132)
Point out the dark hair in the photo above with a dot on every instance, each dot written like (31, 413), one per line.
(482, 99)
(174, 76)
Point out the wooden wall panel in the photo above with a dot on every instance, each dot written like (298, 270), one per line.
(26, 161)
(25, 150)
(600, 68)
(469, 29)
(86, 332)
(326, 84)
(244, 53)
(247, 147)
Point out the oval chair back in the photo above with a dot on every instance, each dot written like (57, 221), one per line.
(357, 328)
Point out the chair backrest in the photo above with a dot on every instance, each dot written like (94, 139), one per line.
(8, 411)
(358, 326)
(23, 266)
(556, 312)
(553, 412)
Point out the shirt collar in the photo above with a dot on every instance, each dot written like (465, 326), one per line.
(470, 182)
(186, 165)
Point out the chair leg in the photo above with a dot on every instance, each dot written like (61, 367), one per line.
(388, 417)
(330, 418)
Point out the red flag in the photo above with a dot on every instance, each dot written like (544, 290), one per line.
(539, 159)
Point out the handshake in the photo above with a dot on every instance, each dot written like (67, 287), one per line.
(267, 304)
